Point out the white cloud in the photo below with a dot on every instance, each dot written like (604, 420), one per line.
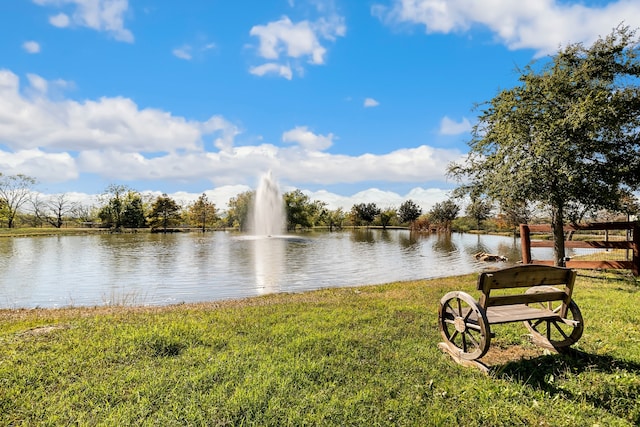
(542, 25)
(183, 52)
(283, 39)
(39, 84)
(293, 40)
(370, 102)
(450, 127)
(108, 123)
(46, 167)
(307, 139)
(272, 68)
(99, 15)
(419, 164)
(114, 139)
(31, 46)
(60, 20)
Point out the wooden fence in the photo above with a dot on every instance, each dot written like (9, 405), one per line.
(631, 244)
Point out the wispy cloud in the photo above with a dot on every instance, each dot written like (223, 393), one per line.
(31, 46)
(183, 52)
(451, 127)
(189, 51)
(100, 15)
(370, 102)
(282, 70)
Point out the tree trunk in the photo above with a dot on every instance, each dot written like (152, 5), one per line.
(557, 224)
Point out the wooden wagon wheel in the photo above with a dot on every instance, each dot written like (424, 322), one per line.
(464, 325)
(554, 333)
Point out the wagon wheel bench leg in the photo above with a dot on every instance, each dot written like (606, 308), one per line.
(555, 334)
(464, 326)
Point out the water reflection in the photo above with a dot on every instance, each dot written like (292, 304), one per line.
(409, 241)
(268, 260)
(444, 244)
(364, 235)
(188, 267)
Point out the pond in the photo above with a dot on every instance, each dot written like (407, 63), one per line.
(162, 269)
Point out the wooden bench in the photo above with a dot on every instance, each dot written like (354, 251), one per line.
(546, 308)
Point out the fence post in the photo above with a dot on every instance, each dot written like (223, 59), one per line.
(525, 243)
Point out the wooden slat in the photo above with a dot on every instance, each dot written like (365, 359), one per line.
(523, 276)
(623, 225)
(502, 300)
(539, 228)
(543, 262)
(517, 313)
(627, 265)
(600, 244)
(542, 228)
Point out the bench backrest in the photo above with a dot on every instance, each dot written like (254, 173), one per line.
(527, 276)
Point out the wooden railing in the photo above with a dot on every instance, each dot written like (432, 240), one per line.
(632, 244)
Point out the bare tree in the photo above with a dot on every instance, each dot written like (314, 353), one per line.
(15, 191)
(59, 206)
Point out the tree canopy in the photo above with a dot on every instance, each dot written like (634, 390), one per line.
(202, 212)
(409, 211)
(443, 213)
(567, 137)
(365, 212)
(300, 210)
(165, 213)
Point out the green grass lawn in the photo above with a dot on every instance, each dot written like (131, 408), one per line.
(352, 356)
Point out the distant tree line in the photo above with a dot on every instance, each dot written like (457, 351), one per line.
(121, 208)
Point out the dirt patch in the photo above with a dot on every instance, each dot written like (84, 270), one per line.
(499, 356)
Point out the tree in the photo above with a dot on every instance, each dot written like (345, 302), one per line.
(123, 208)
(84, 213)
(335, 218)
(409, 211)
(568, 135)
(301, 211)
(514, 212)
(386, 216)
(479, 209)
(629, 204)
(133, 212)
(111, 213)
(15, 191)
(444, 213)
(239, 207)
(297, 210)
(165, 213)
(202, 212)
(54, 210)
(365, 212)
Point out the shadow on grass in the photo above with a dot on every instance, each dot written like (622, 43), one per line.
(613, 276)
(600, 380)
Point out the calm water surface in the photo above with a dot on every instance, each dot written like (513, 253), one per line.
(156, 269)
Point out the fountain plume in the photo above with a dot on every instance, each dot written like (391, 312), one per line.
(268, 217)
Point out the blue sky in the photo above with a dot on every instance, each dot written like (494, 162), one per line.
(350, 101)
